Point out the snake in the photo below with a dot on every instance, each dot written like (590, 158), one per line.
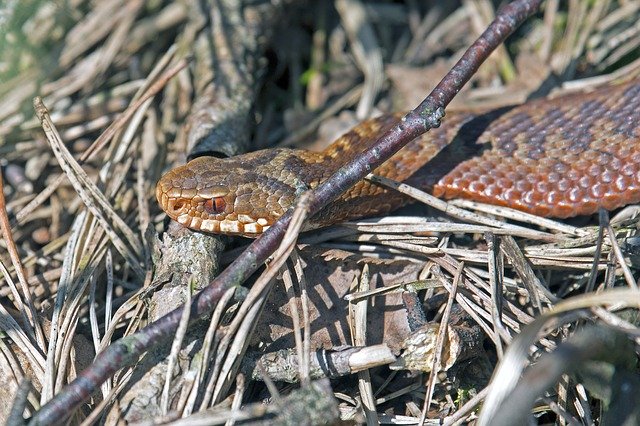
(556, 157)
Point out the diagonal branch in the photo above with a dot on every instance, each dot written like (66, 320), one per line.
(426, 116)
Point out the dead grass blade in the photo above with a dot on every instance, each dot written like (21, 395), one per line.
(91, 195)
(511, 366)
(29, 313)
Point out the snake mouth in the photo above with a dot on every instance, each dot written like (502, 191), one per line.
(187, 212)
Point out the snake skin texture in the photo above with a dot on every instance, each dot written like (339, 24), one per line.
(558, 157)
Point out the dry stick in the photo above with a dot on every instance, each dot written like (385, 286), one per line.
(593, 274)
(495, 266)
(295, 315)
(306, 338)
(358, 317)
(427, 115)
(436, 365)
(175, 349)
(615, 247)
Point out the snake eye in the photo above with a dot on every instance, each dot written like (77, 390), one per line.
(214, 205)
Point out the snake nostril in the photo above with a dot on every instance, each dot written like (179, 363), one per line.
(177, 206)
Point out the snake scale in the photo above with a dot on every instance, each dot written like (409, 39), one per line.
(556, 157)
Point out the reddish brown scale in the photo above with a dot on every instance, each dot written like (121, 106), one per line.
(587, 159)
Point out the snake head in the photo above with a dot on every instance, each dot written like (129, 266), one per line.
(232, 196)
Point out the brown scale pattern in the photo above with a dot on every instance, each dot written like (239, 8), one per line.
(562, 157)
(552, 157)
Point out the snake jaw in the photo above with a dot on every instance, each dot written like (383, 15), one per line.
(210, 208)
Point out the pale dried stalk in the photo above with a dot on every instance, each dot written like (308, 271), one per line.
(452, 210)
(68, 267)
(91, 195)
(218, 380)
(436, 365)
(176, 345)
(358, 325)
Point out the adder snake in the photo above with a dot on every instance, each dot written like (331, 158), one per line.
(552, 157)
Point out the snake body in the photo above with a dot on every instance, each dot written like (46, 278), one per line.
(556, 157)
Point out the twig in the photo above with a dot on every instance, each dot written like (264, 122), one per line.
(436, 364)
(283, 365)
(175, 348)
(19, 403)
(454, 211)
